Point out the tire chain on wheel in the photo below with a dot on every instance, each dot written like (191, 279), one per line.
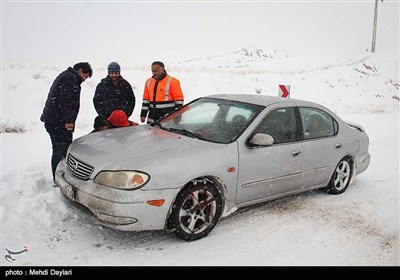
(331, 188)
(173, 223)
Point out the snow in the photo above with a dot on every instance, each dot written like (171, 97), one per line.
(359, 227)
(213, 47)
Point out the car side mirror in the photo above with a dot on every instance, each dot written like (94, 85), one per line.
(261, 139)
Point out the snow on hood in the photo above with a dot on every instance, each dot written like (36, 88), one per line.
(132, 148)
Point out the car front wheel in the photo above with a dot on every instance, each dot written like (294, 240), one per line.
(195, 212)
(341, 178)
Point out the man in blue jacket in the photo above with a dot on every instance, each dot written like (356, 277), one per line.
(114, 93)
(62, 107)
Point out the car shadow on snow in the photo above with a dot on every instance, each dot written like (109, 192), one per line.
(292, 204)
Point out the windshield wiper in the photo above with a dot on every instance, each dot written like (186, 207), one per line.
(156, 124)
(187, 133)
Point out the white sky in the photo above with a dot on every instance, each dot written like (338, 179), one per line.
(63, 31)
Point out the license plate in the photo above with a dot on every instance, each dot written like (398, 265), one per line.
(70, 192)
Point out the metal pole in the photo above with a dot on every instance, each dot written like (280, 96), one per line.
(374, 27)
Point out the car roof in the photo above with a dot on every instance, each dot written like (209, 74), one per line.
(264, 100)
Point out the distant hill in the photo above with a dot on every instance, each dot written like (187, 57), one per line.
(360, 83)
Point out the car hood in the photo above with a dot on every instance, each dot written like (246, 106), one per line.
(133, 148)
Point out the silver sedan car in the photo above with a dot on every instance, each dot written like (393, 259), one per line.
(210, 157)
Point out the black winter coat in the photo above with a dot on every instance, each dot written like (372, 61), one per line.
(109, 97)
(62, 104)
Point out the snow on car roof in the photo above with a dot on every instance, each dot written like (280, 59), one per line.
(263, 100)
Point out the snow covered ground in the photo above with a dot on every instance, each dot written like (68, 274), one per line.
(359, 227)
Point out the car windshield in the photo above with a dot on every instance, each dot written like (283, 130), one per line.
(209, 119)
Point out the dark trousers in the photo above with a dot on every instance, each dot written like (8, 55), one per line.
(156, 114)
(60, 140)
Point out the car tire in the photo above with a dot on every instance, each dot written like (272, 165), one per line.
(341, 177)
(195, 212)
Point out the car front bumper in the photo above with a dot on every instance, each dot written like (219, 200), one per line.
(125, 210)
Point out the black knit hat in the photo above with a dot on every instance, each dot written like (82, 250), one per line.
(114, 67)
(100, 121)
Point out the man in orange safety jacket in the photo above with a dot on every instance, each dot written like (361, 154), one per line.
(162, 94)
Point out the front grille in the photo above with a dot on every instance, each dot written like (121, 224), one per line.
(79, 168)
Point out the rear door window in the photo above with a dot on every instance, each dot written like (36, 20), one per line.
(317, 123)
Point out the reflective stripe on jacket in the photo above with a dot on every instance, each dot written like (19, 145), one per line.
(161, 97)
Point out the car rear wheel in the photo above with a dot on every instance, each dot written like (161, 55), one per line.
(195, 212)
(341, 177)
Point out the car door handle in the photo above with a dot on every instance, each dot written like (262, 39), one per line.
(296, 153)
(339, 145)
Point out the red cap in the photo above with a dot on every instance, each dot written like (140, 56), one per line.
(118, 118)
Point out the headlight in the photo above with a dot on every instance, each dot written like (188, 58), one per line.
(126, 180)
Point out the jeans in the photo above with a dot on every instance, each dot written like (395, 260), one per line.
(60, 140)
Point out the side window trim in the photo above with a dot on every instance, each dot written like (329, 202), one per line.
(299, 124)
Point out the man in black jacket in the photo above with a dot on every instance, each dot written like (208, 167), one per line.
(114, 93)
(62, 107)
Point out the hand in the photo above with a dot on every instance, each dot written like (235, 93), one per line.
(142, 119)
(69, 126)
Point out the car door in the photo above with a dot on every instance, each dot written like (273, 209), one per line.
(321, 146)
(267, 171)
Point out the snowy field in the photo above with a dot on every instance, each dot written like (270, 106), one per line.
(359, 227)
